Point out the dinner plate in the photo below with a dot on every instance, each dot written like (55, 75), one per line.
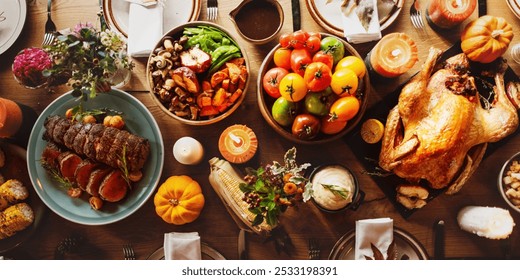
(176, 12)
(16, 168)
(12, 20)
(138, 120)
(405, 243)
(514, 5)
(206, 251)
(328, 16)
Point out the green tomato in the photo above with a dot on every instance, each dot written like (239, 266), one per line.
(333, 46)
(284, 111)
(318, 103)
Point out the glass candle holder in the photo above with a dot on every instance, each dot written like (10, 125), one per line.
(449, 13)
(392, 56)
(28, 67)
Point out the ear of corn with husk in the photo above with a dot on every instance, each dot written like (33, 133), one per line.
(15, 218)
(226, 183)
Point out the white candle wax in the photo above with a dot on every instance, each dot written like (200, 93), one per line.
(188, 150)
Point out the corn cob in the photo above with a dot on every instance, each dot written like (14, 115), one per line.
(226, 183)
(15, 218)
(11, 192)
(2, 158)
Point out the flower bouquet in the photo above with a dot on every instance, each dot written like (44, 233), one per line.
(271, 189)
(28, 66)
(87, 59)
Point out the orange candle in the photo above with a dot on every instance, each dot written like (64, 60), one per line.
(238, 143)
(449, 13)
(393, 55)
(10, 118)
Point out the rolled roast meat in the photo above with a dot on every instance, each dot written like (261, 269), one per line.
(98, 142)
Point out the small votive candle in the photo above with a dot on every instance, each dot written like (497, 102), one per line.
(188, 150)
(392, 56)
(10, 118)
(449, 13)
(238, 143)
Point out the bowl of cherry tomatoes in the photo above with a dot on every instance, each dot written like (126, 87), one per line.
(312, 87)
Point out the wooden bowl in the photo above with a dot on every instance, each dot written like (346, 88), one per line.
(265, 102)
(176, 33)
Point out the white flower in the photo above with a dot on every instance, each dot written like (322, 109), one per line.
(86, 46)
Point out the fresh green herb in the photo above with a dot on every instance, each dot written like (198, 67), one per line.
(337, 190)
(78, 112)
(56, 175)
(123, 166)
(272, 188)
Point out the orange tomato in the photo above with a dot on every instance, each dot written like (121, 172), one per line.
(344, 109)
(292, 87)
(317, 76)
(282, 58)
(329, 126)
(353, 63)
(344, 82)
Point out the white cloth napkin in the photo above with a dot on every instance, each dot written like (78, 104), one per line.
(379, 232)
(354, 30)
(145, 28)
(182, 246)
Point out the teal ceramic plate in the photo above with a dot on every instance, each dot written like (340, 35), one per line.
(138, 121)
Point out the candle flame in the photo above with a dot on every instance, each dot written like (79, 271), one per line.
(237, 141)
(396, 52)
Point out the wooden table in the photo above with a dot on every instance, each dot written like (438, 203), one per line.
(144, 229)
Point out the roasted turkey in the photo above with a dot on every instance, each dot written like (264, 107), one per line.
(439, 118)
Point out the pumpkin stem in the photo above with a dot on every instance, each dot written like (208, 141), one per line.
(496, 33)
(173, 201)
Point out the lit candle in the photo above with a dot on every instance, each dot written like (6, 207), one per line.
(449, 13)
(10, 118)
(393, 55)
(238, 143)
(188, 150)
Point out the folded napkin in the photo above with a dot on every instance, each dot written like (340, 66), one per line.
(361, 22)
(145, 27)
(182, 246)
(379, 232)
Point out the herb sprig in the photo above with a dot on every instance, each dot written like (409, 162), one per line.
(337, 190)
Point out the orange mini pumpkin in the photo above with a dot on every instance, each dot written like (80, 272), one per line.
(179, 200)
(486, 38)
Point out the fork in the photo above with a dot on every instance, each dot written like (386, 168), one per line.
(416, 16)
(212, 10)
(314, 249)
(50, 27)
(128, 252)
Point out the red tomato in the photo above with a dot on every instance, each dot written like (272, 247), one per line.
(314, 34)
(299, 38)
(271, 81)
(313, 44)
(317, 76)
(282, 58)
(285, 40)
(324, 57)
(300, 58)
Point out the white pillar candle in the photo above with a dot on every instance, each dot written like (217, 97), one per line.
(188, 150)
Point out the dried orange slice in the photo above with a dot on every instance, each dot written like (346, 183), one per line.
(372, 131)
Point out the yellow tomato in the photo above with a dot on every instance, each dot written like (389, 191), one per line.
(344, 82)
(344, 109)
(353, 63)
(292, 87)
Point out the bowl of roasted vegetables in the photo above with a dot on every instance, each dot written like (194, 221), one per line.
(197, 73)
(312, 87)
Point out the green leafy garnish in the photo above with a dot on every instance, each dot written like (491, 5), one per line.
(337, 190)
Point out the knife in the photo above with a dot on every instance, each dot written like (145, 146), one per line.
(296, 15)
(242, 248)
(438, 245)
(482, 8)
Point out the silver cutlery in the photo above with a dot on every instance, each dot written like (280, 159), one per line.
(314, 249)
(439, 240)
(416, 15)
(50, 27)
(128, 252)
(212, 10)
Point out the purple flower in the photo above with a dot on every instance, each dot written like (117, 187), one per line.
(29, 64)
(80, 26)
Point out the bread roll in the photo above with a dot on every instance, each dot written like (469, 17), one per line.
(488, 222)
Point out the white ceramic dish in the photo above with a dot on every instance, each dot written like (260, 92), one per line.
(329, 15)
(138, 120)
(206, 251)
(514, 5)
(12, 20)
(176, 12)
